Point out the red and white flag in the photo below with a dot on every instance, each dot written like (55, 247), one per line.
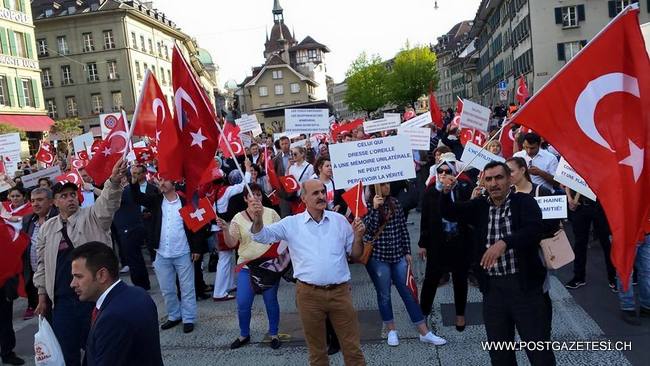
(109, 152)
(151, 109)
(412, 284)
(596, 112)
(507, 140)
(143, 154)
(353, 197)
(45, 154)
(13, 243)
(522, 90)
(434, 108)
(78, 163)
(197, 121)
(197, 217)
(231, 137)
(290, 184)
(270, 170)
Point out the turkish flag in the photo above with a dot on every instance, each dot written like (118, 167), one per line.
(231, 136)
(143, 154)
(45, 154)
(270, 170)
(151, 108)
(507, 140)
(12, 246)
(290, 184)
(110, 151)
(471, 134)
(347, 127)
(274, 198)
(78, 163)
(211, 174)
(94, 148)
(411, 283)
(197, 217)
(522, 90)
(195, 116)
(434, 109)
(83, 155)
(459, 109)
(596, 113)
(353, 197)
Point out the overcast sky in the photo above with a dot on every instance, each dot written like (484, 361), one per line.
(233, 31)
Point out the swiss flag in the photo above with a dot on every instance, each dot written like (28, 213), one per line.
(522, 90)
(143, 154)
(231, 136)
(353, 197)
(197, 217)
(434, 108)
(507, 140)
(195, 116)
(45, 154)
(411, 283)
(12, 246)
(471, 134)
(289, 183)
(150, 109)
(109, 152)
(596, 113)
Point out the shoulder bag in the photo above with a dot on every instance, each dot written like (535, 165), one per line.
(557, 250)
(369, 245)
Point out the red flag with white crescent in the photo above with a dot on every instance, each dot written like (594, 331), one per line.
(45, 154)
(109, 152)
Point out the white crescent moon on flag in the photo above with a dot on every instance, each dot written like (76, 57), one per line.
(123, 135)
(237, 148)
(51, 159)
(294, 184)
(519, 92)
(158, 104)
(179, 96)
(72, 178)
(596, 90)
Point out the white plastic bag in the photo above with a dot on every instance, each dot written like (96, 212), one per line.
(47, 351)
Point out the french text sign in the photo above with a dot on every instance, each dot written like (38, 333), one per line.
(420, 137)
(473, 156)
(567, 176)
(306, 121)
(474, 116)
(553, 207)
(390, 121)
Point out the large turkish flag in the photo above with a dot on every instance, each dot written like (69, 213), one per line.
(110, 151)
(596, 113)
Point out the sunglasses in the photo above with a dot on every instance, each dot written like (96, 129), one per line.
(446, 171)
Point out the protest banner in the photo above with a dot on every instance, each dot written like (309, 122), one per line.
(249, 123)
(420, 137)
(481, 158)
(372, 161)
(390, 121)
(474, 116)
(567, 176)
(553, 207)
(31, 180)
(107, 121)
(418, 121)
(313, 140)
(10, 151)
(306, 121)
(83, 142)
(278, 135)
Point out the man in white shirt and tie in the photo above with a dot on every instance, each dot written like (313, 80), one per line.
(319, 242)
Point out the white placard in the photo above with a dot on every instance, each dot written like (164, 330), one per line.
(390, 121)
(420, 137)
(83, 142)
(291, 136)
(306, 121)
(553, 207)
(372, 161)
(484, 157)
(107, 121)
(474, 116)
(313, 140)
(567, 176)
(139, 144)
(248, 123)
(31, 180)
(418, 121)
(10, 151)
(246, 139)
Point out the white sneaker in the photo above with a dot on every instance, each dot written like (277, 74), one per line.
(392, 338)
(433, 339)
(125, 269)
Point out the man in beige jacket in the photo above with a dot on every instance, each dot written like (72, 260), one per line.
(74, 226)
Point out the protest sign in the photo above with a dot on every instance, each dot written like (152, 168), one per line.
(248, 123)
(278, 135)
(420, 137)
(418, 121)
(107, 121)
(567, 176)
(83, 142)
(372, 161)
(480, 158)
(474, 116)
(313, 140)
(306, 121)
(31, 180)
(390, 121)
(246, 139)
(553, 207)
(10, 151)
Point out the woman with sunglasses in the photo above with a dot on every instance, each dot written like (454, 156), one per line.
(445, 244)
(298, 165)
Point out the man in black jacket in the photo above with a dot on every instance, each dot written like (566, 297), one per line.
(508, 229)
(176, 247)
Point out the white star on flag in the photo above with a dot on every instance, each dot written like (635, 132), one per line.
(198, 138)
(107, 151)
(635, 160)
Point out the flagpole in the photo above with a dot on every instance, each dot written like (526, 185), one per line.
(127, 149)
(234, 157)
(482, 149)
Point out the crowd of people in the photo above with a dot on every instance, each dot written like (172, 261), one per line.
(483, 228)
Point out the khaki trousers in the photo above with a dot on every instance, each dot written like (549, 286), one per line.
(314, 305)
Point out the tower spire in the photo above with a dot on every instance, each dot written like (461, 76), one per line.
(278, 17)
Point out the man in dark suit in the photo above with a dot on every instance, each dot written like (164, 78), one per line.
(124, 325)
(281, 163)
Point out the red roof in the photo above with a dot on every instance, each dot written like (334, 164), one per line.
(27, 122)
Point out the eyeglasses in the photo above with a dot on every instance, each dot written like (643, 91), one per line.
(294, 154)
(445, 171)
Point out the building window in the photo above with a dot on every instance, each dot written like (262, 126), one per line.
(112, 70)
(21, 45)
(566, 51)
(109, 40)
(134, 40)
(117, 101)
(143, 48)
(162, 76)
(3, 90)
(146, 67)
(264, 91)
(159, 45)
(166, 52)
(150, 46)
(62, 45)
(71, 107)
(97, 104)
(277, 74)
(93, 75)
(89, 43)
(279, 89)
(47, 78)
(621, 4)
(313, 55)
(295, 88)
(138, 72)
(28, 92)
(42, 47)
(169, 76)
(50, 105)
(66, 75)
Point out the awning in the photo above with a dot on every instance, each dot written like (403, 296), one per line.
(27, 122)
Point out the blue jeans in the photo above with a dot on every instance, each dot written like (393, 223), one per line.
(166, 271)
(245, 297)
(71, 324)
(381, 274)
(626, 298)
